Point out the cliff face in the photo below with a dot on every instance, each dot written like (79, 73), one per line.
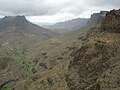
(96, 18)
(112, 22)
(96, 64)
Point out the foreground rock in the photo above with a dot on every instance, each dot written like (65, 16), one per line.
(112, 22)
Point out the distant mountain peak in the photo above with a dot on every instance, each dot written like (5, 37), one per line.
(22, 18)
(13, 21)
(18, 16)
(17, 29)
(12, 18)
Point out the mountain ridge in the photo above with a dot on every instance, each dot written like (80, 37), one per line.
(69, 25)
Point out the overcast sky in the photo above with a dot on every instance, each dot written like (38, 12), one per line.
(51, 11)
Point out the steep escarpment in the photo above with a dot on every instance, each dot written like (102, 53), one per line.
(96, 64)
(112, 22)
(97, 18)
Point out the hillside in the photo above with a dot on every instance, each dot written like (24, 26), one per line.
(96, 64)
(17, 31)
(69, 25)
(43, 66)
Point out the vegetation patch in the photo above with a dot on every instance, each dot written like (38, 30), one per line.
(7, 86)
(20, 57)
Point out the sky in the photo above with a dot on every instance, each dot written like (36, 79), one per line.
(52, 11)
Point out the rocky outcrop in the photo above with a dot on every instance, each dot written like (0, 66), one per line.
(112, 22)
(97, 18)
(89, 63)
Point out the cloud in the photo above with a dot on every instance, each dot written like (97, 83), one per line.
(27, 7)
(103, 3)
(55, 10)
(32, 7)
(50, 7)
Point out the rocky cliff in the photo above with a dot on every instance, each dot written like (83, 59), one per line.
(97, 18)
(111, 22)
